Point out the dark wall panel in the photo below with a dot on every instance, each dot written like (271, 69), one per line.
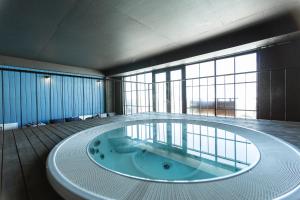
(118, 97)
(293, 95)
(277, 57)
(264, 95)
(278, 94)
(28, 98)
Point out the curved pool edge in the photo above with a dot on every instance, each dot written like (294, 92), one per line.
(245, 170)
(294, 194)
(70, 191)
(61, 185)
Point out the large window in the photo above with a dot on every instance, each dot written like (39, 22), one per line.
(200, 88)
(224, 87)
(138, 93)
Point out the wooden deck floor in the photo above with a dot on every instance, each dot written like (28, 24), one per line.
(23, 153)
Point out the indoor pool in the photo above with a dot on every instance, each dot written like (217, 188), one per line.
(178, 152)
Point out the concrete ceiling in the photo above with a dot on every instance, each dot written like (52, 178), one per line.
(103, 34)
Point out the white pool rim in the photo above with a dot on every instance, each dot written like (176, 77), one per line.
(69, 176)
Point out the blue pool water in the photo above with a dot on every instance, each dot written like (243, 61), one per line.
(168, 151)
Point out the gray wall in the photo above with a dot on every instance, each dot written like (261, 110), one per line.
(27, 63)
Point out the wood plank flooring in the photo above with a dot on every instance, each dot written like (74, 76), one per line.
(23, 155)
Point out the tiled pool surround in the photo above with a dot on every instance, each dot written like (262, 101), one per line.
(74, 175)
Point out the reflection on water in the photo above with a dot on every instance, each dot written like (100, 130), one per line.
(173, 151)
(203, 141)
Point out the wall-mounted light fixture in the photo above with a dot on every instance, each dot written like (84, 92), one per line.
(47, 78)
(98, 82)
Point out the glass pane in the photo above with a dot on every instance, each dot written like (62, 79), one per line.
(133, 85)
(176, 97)
(160, 100)
(250, 77)
(175, 75)
(160, 77)
(229, 79)
(207, 69)
(220, 80)
(141, 78)
(196, 82)
(189, 82)
(192, 71)
(211, 81)
(245, 63)
(148, 78)
(211, 92)
(134, 109)
(225, 66)
(128, 78)
(251, 114)
(133, 99)
(133, 78)
(127, 86)
(240, 78)
(240, 97)
(128, 98)
(203, 93)
(240, 114)
(229, 90)
(251, 96)
(203, 81)
(220, 92)
(176, 91)
(189, 96)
